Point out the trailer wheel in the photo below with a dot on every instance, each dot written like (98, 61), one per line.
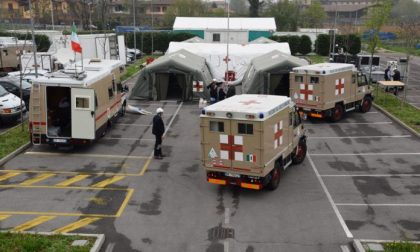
(337, 113)
(300, 153)
(366, 104)
(275, 178)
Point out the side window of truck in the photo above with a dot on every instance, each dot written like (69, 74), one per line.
(245, 128)
(361, 80)
(314, 80)
(353, 79)
(297, 121)
(299, 79)
(110, 92)
(217, 126)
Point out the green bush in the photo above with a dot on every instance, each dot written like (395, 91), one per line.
(350, 43)
(42, 42)
(355, 44)
(161, 40)
(322, 44)
(305, 45)
(294, 44)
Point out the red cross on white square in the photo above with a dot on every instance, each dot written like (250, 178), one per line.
(306, 92)
(278, 134)
(226, 59)
(197, 86)
(339, 86)
(249, 102)
(231, 147)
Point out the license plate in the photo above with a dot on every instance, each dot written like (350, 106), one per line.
(228, 174)
(59, 140)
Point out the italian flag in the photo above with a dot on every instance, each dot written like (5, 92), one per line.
(251, 158)
(75, 44)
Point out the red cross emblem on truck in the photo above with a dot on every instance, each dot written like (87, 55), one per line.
(198, 86)
(306, 91)
(278, 134)
(339, 86)
(230, 147)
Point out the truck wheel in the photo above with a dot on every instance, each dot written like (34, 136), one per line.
(337, 113)
(300, 153)
(275, 178)
(366, 104)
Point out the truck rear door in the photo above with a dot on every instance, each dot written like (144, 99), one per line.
(83, 113)
(216, 142)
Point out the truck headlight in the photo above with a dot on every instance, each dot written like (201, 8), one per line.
(6, 111)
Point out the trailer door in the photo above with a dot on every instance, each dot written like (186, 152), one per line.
(83, 113)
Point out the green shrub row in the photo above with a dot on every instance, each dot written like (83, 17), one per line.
(298, 44)
(42, 41)
(350, 43)
(161, 40)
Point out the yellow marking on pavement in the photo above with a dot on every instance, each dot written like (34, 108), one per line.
(125, 202)
(72, 180)
(67, 187)
(76, 225)
(37, 179)
(83, 155)
(32, 223)
(143, 170)
(108, 181)
(8, 175)
(4, 216)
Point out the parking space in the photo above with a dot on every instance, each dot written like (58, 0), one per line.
(370, 167)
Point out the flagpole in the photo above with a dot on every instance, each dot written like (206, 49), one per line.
(227, 44)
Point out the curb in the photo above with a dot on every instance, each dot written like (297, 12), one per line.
(396, 119)
(358, 246)
(15, 153)
(100, 238)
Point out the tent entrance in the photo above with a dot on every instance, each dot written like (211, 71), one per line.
(171, 86)
(279, 84)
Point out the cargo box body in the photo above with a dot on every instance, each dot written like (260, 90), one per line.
(317, 89)
(244, 136)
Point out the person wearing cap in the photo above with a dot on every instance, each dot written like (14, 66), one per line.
(158, 129)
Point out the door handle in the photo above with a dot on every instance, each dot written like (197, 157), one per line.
(92, 113)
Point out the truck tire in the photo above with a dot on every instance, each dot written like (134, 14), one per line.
(275, 178)
(337, 113)
(300, 153)
(366, 104)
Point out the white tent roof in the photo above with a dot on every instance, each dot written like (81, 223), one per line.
(220, 23)
(239, 55)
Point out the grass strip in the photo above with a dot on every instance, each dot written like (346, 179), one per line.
(13, 139)
(136, 66)
(22, 242)
(405, 112)
(401, 49)
(315, 59)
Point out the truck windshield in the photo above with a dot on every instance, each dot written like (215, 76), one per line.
(3, 91)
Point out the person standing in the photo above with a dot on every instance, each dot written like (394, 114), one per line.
(397, 75)
(387, 73)
(213, 91)
(222, 94)
(158, 130)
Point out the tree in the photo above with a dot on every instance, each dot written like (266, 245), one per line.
(286, 14)
(377, 17)
(322, 44)
(254, 7)
(184, 8)
(314, 15)
(305, 45)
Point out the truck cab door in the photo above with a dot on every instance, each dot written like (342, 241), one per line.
(83, 113)
(362, 86)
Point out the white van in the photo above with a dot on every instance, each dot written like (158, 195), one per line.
(10, 106)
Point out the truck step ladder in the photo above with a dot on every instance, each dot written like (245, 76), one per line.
(113, 48)
(36, 114)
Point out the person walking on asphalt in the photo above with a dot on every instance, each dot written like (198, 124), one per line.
(158, 130)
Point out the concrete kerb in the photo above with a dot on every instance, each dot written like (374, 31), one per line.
(397, 120)
(100, 238)
(361, 245)
(15, 153)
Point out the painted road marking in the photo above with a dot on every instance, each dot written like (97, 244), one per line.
(134, 125)
(346, 123)
(227, 215)
(128, 138)
(76, 225)
(33, 223)
(330, 199)
(37, 179)
(4, 216)
(378, 205)
(75, 172)
(8, 175)
(83, 155)
(72, 180)
(367, 154)
(357, 137)
(108, 181)
(372, 175)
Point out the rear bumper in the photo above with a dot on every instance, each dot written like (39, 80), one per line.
(226, 178)
(63, 141)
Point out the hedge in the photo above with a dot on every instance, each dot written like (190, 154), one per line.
(42, 42)
(301, 45)
(350, 43)
(161, 40)
(305, 45)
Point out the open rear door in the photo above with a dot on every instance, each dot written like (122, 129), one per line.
(83, 113)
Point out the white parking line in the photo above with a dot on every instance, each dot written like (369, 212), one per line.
(357, 137)
(378, 205)
(367, 154)
(134, 125)
(327, 193)
(227, 215)
(128, 138)
(347, 123)
(372, 175)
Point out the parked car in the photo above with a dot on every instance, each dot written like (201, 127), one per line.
(10, 106)
(12, 85)
(137, 52)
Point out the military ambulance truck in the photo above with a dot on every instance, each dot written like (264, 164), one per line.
(75, 106)
(328, 90)
(249, 140)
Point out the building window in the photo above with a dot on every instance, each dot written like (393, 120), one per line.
(217, 126)
(156, 8)
(245, 128)
(10, 6)
(164, 9)
(216, 37)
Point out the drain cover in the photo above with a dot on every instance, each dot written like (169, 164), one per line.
(220, 233)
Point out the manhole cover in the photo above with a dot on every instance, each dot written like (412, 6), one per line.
(220, 233)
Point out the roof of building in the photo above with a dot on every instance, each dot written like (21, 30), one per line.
(74, 75)
(246, 106)
(325, 68)
(221, 23)
(345, 7)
